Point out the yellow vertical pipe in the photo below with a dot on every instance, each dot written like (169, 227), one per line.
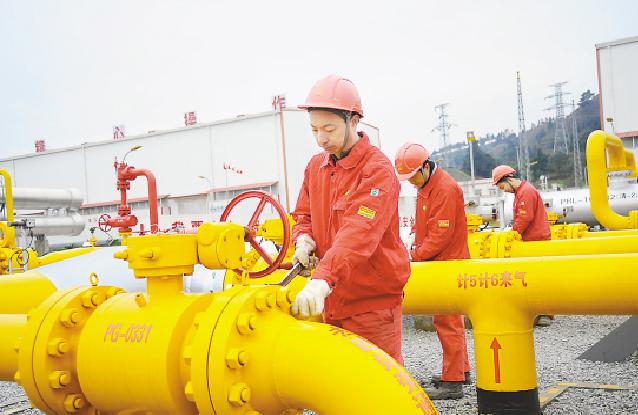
(11, 327)
(8, 191)
(20, 293)
(502, 296)
(605, 152)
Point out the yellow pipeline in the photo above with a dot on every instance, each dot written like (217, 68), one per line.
(21, 293)
(605, 152)
(97, 348)
(34, 261)
(559, 232)
(8, 191)
(62, 255)
(609, 234)
(510, 245)
(236, 338)
(587, 246)
(502, 297)
(12, 328)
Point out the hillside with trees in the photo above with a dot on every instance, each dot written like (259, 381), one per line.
(500, 148)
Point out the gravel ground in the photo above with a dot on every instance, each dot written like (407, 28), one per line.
(557, 348)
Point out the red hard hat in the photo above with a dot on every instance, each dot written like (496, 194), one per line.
(409, 159)
(501, 171)
(334, 92)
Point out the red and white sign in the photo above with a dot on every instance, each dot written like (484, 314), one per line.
(118, 131)
(190, 118)
(279, 102)
(40, 146)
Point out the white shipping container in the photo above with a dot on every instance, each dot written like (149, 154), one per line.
(617, 65)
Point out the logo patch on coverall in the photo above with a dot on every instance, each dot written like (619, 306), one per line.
(374, 192)
(366, 212)
(444, 223)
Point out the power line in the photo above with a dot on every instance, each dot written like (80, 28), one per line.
(444, 126)
(522, 152)
(561, 141)
(578, 164)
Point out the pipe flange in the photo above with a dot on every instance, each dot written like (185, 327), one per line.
(47, 352)
(196, 353)
(245, 330)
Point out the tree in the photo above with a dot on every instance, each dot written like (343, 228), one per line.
(483, 162)
(539, 164)
(584, 97)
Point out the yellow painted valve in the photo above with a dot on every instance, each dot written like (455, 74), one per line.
(552, 217)
(474, 222)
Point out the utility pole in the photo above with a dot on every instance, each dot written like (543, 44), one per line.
(444, 126)
(523, 150)
(578, 164)
(470, 141)
(560, 132)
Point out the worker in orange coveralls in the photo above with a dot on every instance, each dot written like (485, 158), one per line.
(441, 235)
(530, 217)
(347, 213)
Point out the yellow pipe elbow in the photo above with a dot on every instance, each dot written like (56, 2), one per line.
(257, 346)
(605, 152)
(314, 370)
(20, 293)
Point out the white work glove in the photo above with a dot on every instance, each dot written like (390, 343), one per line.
(310, 300)
(303, 251)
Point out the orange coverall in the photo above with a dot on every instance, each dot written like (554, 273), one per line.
(530, 217)
(441, 234)
(349, 207)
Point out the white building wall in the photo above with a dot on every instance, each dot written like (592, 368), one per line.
(176, 158)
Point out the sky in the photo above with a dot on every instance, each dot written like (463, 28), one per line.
(71, 70)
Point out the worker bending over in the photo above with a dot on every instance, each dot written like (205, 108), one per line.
(530, 217)
(347, 212)
(441, 235)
